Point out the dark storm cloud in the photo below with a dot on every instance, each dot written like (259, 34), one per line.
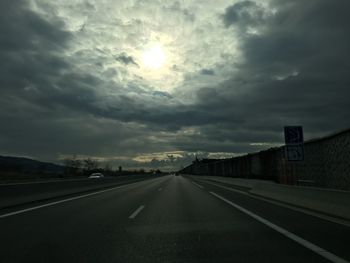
(55, 133)
(127, 60)
(162, 94)
(36, 81)
(29, 51)
(21, 29)
(244, 14)
(294, 72)
(29, 46)
(207, 72)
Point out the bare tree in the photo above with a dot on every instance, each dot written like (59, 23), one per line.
(91, 164)
(108, 169)
(73, 165)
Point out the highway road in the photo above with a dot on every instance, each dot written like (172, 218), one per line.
(168, 219)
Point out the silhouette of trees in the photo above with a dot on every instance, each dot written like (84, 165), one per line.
(73, 165)
(91, 164)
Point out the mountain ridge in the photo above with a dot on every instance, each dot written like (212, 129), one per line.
(28, 165)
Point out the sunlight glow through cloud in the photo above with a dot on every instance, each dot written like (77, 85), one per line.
(153, 57)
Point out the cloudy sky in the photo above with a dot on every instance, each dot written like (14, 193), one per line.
(152, 83)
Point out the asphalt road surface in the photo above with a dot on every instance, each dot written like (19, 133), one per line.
(168, 219)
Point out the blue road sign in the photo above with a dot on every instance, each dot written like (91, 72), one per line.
(295, 152)
(293, 134)
(294, 138)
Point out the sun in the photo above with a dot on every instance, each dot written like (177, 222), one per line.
(153, 57)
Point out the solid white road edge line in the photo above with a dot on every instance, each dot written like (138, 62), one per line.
(137, 211)
(198, 185)
(316, 249)
(298, 209)
(64, 200)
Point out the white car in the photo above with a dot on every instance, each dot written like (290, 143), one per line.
(96, 175)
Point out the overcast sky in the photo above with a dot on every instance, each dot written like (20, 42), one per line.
(152, 83)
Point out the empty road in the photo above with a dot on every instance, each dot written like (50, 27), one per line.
(168, 219)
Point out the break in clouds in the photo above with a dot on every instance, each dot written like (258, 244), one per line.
(153, 83)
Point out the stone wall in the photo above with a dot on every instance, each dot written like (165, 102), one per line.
(327, 162)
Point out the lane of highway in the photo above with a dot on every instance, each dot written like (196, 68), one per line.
(168, 219)
(333, 237)
(81, 230)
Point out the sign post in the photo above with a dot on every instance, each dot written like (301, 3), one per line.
(294, 139)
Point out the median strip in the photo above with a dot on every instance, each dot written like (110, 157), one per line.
(316, 249)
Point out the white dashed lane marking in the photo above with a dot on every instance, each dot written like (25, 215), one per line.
(137, 211)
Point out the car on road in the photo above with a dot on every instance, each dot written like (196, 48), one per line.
(96, 175)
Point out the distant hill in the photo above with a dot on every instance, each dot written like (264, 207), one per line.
(28, 166)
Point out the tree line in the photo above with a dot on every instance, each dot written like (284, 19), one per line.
(75, 166)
